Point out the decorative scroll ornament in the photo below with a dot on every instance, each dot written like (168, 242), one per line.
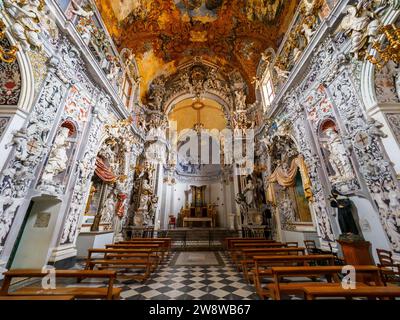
(389, 50)
(7, 54)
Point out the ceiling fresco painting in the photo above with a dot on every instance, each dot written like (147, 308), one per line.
(163, 34)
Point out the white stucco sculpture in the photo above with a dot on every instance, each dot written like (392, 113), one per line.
(338, 158)
(26, 18)
(58, 157)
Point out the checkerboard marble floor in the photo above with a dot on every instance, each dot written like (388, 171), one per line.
(191, 283)
(171, 282)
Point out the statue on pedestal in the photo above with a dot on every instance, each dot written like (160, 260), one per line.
(345, 215)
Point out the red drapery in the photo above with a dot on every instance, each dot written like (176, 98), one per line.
(120, 209)
(103, 171)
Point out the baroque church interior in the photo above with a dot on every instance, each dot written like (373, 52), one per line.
(199, 149)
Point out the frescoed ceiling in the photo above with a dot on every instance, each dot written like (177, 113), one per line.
(165, 33)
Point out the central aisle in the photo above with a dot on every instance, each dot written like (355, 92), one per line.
(194, 281)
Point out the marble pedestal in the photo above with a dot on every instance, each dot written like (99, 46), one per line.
(96, 239)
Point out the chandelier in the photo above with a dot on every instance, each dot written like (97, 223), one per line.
(7, 55)
(389, 49)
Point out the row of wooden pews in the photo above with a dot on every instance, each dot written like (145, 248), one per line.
(283, 264)
(142, 255)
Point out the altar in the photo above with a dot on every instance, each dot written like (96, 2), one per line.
(199, 213)
(188, 221)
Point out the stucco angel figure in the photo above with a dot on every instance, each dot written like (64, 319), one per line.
(26, 26)
(375, 128)
(282, 74)
(79, 11)
(240, 99)
(361, 25)
(58, 158)
(308, 32)
(20, 141)
(309, 6)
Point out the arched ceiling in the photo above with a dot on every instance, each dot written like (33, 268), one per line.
(189, 112)
(165, 33)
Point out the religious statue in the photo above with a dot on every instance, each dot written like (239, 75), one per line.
(20, 141)
(338, 158)
(108, 210)
(249, 193)
(345, 216)
(244, 210)
(58, 157)
(26, 26)
(308, 32)
(147, 191)
(240, 98)
(152, 209)
(287, 212)
(282, 74)
(361, 25)
(115, 70)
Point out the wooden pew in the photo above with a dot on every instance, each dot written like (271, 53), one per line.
(246, 255)
(263, 264)
(142, 259)
(230, 241)
(236, 249)
(311, 293)
(38, 298)
(165, 242)
(109, 293)
(155, 247)
(329, 272)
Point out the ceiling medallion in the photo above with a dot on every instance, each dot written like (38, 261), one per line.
(197, 105)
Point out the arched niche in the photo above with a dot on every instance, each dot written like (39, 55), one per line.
(289, 186)
(106, 198)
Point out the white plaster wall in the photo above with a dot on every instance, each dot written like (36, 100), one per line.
(376, 234)
(391, 146)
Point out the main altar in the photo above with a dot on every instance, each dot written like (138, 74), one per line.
(199, 213)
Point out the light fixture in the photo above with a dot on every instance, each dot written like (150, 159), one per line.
(389, 49)
(7, 55)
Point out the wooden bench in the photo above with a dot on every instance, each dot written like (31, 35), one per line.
(263, 264)
(121, 258)
(155, 247)
(312, 293)
(245, 255)
(39, 298)
(109, 292)
(167, 242)
(230, 241)
(329, 272)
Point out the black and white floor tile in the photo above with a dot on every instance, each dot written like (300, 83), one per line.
(201, 282)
